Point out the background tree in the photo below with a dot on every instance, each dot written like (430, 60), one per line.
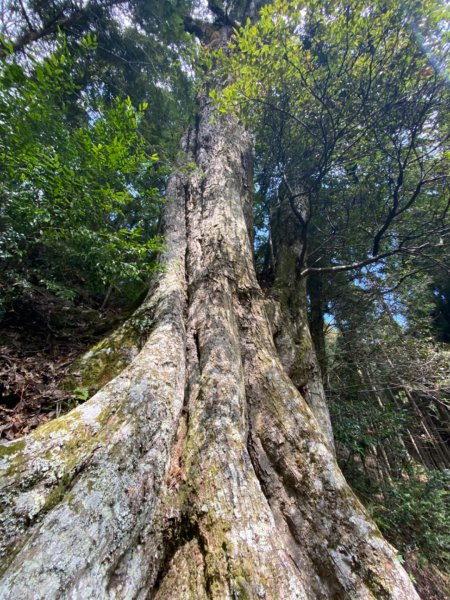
(388, 390)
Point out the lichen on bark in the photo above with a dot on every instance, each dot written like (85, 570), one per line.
(199, 471)
(79, 492)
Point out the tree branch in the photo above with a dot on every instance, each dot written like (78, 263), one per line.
(367, 261)
(60, 21)
(25, 16)
(349, 267)
(201, 29)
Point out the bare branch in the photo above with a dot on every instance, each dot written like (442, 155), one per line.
(372, 260)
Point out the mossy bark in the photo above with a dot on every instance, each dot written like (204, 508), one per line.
(109, 357)
(199, 471)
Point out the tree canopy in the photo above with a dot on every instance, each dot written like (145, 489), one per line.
(93, 101)
(350, 102)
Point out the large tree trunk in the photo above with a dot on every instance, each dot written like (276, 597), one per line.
(199, 471)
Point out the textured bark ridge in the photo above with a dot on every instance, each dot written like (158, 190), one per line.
(199, 471)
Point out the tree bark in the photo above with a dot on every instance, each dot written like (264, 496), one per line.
(291, 330)
(317, 320)
(199, 471)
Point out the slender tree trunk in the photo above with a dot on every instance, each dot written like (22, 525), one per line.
(199, 471)
(291, 330)
(317, 320)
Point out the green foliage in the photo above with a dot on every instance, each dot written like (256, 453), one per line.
(411, 503)
(350, 105)
(440, 312)
(79, 194)
(81, 394)
(142, 51)
(415, 515)
(388, 390)
(361, 425)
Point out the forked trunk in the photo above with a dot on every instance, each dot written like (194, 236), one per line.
(199, 471)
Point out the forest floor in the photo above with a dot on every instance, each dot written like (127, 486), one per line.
(33, 365)
(38, 346)
(431, 583)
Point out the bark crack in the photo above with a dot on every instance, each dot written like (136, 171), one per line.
(181, 532)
